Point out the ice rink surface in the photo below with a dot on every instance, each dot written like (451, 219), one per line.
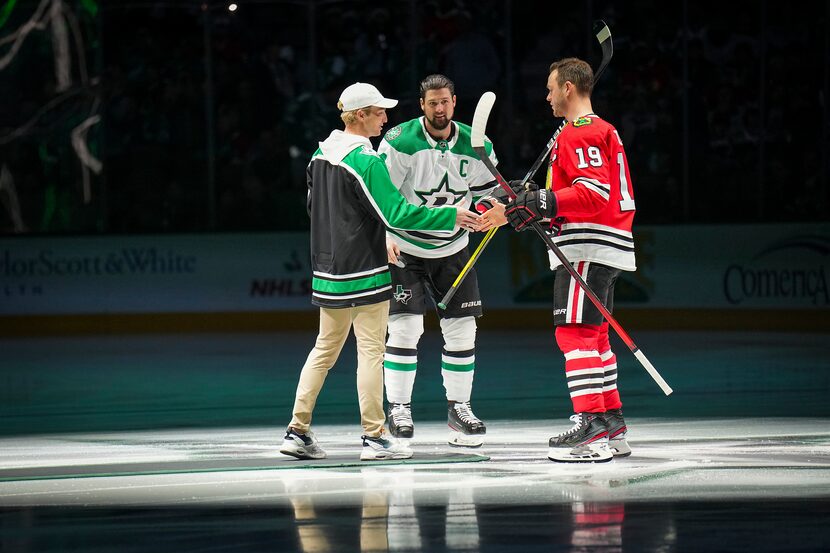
(690, 485)
(183, 433)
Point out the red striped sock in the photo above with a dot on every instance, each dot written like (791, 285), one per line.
(609, 366)
(583, 366)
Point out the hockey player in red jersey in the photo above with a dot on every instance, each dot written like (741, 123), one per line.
(588, 203)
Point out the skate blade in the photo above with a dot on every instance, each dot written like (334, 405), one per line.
(619, 448)
(459, 439)
(582, 454)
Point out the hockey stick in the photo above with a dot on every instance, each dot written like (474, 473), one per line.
(463, 274)
(603, 34)
(482, 113)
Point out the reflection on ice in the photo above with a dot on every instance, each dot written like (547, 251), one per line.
(408, 518)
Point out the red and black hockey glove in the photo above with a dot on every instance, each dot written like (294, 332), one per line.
(530, 206)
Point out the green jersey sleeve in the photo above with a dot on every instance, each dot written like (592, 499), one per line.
(394, 210)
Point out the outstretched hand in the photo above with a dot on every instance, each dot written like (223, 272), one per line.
(493, 217)
(492, 207)
(466, 219)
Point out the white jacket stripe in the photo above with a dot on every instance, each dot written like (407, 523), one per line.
(351, 275)
(351, 296)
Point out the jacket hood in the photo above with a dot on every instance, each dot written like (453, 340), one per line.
(339, 144)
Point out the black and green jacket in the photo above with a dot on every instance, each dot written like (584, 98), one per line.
(351, 201)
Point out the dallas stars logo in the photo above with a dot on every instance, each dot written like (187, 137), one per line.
(393, 133)
(441, 195)
(402, 295)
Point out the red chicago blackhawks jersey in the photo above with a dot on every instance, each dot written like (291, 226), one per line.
(589, 174)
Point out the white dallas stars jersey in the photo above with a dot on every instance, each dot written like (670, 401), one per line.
(435, 173)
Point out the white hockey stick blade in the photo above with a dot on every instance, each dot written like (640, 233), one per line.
(641, 357)
(603, 34)
(480, 117)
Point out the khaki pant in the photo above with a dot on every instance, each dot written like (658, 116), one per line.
(369, 323)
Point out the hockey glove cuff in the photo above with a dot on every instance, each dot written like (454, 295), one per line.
(486, 203)
(530, 206)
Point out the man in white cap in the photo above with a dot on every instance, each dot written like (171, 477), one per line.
(351, 202)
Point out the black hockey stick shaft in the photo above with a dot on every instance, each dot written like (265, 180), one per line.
(603, 35)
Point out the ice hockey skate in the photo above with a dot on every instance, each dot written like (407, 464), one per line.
(466, 429)
(617, 431)
(400, 420)
(586, 442)
(379, 448)
(301, 446)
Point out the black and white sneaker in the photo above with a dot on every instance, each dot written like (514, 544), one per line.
(466, 429)
(617, 431)
(375, 449)
(400, 420)
(301, 446)
(586, 442)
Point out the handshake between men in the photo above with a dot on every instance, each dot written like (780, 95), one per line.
(531, 204)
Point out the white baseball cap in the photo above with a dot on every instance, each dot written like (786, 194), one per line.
(363, 95)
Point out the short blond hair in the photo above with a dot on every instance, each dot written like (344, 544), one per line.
(350, 117)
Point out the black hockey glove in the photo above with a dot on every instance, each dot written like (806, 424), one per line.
(529, 207)
(500, 195)
(486, 203)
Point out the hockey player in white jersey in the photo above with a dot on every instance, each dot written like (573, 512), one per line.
(432, 162)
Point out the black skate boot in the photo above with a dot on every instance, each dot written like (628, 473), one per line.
(400, 420)
(616, 433)
(466, 429)
(586, 442)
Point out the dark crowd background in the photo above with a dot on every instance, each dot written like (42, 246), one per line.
(203, 118)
